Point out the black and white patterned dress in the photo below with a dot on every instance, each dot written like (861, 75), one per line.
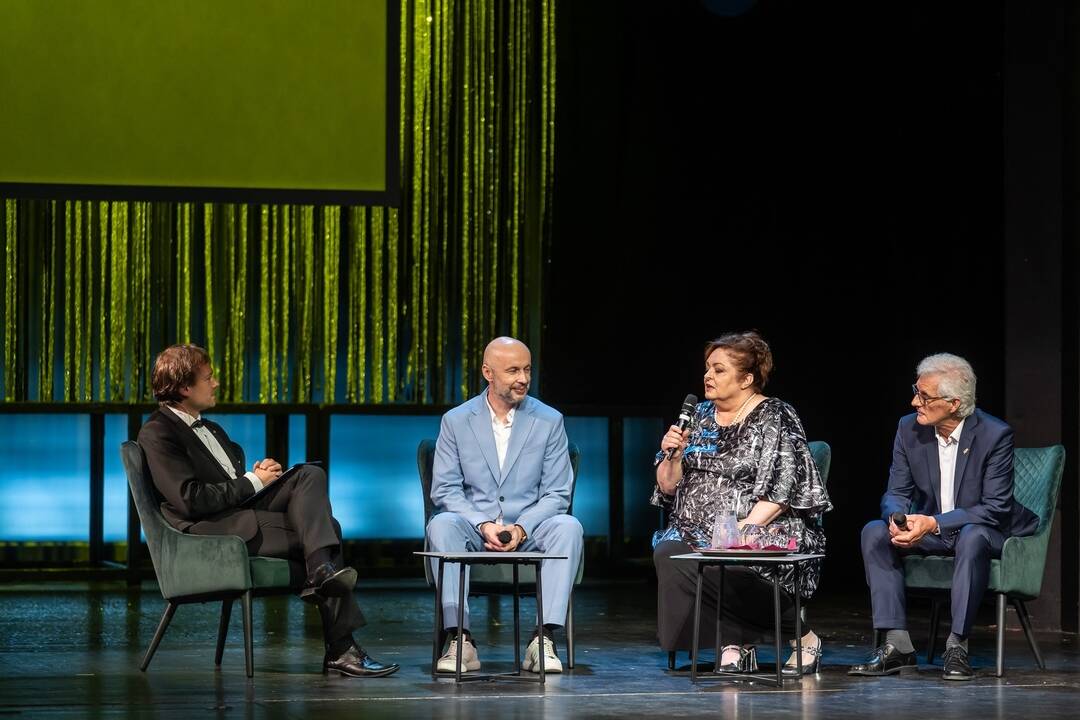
(763, 457)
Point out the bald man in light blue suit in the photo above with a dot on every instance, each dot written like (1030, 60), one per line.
(501, 464)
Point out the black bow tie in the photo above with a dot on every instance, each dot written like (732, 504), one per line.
(197, 424)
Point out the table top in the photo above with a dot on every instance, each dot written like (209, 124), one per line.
(749, 557)
(465, 556)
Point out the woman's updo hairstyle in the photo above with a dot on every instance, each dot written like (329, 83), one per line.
(749, 351)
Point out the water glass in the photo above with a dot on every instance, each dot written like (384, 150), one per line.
(725, 529)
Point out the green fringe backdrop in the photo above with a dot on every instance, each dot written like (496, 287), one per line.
(315, 304)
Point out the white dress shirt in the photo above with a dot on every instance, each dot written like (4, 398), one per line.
(946, 454)
(502, 430)
(215, 448)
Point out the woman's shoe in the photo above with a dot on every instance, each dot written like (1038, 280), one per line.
(747, 662)
(791, 669)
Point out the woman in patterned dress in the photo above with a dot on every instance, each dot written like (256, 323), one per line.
(744, 452)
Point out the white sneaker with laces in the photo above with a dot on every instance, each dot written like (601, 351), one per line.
(552, 664)
(470, 661)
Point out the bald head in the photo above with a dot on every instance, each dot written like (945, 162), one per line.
(508, 370)
(505, 347)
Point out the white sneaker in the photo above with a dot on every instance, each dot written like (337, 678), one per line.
(469, 659)
(552, 664)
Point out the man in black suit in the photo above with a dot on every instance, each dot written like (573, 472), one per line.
(952, 480)
(205, 491)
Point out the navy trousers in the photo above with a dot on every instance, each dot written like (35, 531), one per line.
(973, 547)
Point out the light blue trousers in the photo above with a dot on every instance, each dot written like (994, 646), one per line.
(558, 535)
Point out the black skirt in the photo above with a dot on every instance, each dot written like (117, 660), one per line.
(746, 614)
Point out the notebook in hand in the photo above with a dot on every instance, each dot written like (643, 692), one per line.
(284, 476)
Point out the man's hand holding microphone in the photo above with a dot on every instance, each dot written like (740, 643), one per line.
(501, 538)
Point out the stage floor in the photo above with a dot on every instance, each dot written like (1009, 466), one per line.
(73, 649)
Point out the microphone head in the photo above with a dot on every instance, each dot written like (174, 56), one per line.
(899, 519)
(688, 404)
(687, 410)
(505, 537)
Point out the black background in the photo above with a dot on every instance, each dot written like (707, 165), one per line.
(827, 173)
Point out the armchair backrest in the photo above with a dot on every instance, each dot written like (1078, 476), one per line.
(822, 454)
(146, 503)
(1037, 481)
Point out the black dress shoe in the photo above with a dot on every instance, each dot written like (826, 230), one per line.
(957, 666)
(886, 660)
(354, 662)
(327, 581)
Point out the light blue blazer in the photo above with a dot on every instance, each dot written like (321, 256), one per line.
(534, 483)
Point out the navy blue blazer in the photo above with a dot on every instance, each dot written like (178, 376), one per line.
(983, 483)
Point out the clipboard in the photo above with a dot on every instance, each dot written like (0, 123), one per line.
(284, 476)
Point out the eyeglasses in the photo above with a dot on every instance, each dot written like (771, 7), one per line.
(925, 399)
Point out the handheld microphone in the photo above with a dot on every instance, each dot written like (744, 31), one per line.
(685, 413)
(505, 537)
(899, 519)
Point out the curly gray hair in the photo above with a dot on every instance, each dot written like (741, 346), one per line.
(956, 379)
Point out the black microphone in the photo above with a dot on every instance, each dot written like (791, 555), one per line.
(685, 413)
(505, 537)
(899, 519)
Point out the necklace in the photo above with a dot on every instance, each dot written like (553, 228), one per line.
(739, 412)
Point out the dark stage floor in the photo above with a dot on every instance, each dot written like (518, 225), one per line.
(72, 650)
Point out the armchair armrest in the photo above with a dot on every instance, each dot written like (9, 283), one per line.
(1023, 560)
(197, 564)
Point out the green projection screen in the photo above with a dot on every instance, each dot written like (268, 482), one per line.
(230, 100)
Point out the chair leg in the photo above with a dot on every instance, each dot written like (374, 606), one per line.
(223, 629)
(1025, 622)
(570, 632)
(671, 660)
(935, 623)
(877, 638)
(249, 654)
(1000, 635)
(166, 618)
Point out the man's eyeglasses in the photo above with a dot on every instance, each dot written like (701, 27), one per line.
(925, 399)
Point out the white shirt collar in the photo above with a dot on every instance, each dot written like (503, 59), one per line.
(188, 419)
(954, 436)
(494, 418)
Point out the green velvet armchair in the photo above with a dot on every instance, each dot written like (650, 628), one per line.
(1017, 576)
(497, 579)
(200, 568)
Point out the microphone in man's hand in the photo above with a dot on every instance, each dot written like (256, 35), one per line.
(505, 537)
(685, 413)
(899, 519)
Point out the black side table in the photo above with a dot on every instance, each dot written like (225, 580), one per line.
(722, 561)
(463, 559)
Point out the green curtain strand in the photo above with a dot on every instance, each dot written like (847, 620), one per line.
(397, 301)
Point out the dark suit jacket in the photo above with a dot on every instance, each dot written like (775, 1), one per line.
(983, 483)
(198, 496)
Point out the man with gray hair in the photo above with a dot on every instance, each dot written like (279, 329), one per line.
(951, 490)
